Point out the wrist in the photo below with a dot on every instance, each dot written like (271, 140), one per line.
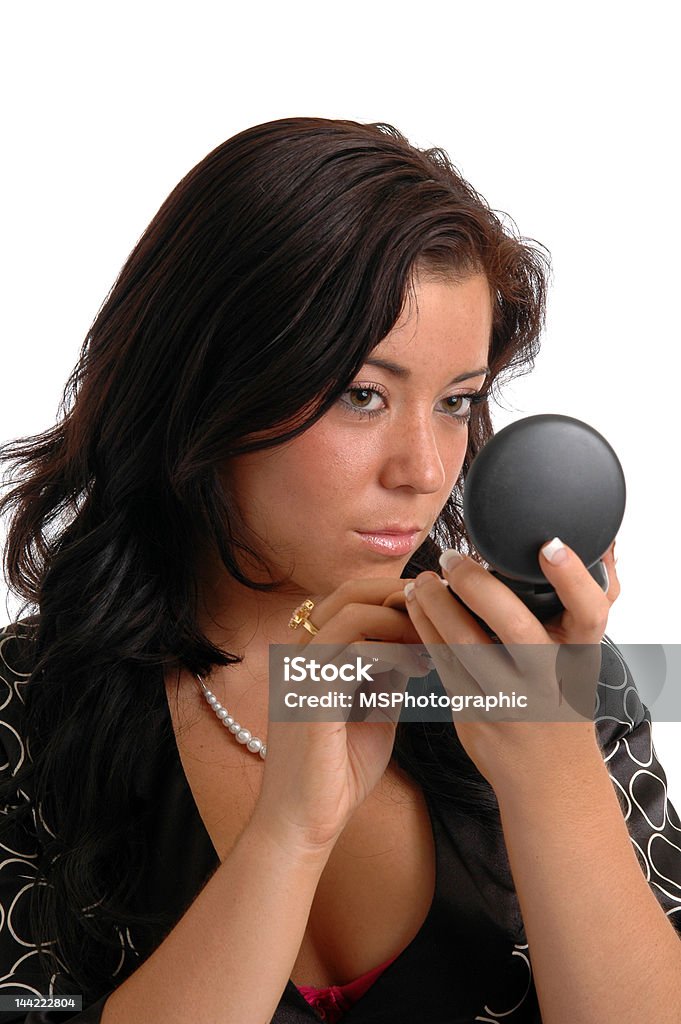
(300, 845)
(566, 765)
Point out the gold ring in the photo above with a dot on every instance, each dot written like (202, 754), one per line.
(301, 617)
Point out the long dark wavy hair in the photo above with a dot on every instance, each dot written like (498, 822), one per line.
(273, 268)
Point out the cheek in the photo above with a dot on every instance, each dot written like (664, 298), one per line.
(452, 445)
(456, 453)
(327, 460)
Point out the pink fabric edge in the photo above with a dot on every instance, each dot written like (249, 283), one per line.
(350, 992)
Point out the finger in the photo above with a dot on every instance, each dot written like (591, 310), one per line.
(398, 599)
(452, 673)
(356, 621)
(464, 646)
(406, 659)
(371, 592)
(609, 561)
(586, 605)
(492, 600)
(427, 630)
(450, 620)
(480, 665)
(380, 657)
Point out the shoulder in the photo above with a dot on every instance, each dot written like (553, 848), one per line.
(16, 650)
(619, 708)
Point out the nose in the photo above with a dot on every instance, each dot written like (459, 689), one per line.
(412, 457)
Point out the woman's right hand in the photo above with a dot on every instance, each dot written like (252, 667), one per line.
(317, 773)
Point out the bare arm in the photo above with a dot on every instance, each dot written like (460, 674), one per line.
(601, 946)
(250, 915)
(229, 958)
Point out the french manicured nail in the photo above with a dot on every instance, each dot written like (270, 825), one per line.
(449, 559)
(555, 551)
(409, 591)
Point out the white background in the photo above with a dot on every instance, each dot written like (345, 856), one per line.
(563, 116)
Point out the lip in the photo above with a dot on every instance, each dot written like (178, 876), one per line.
(391, 543)
(396, 528)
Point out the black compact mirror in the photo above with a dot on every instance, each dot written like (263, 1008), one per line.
(542, 477)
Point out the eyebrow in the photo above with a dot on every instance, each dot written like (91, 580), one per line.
(404, 373)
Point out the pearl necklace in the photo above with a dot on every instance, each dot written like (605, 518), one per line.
(240, 734)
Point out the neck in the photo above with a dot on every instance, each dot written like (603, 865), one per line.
(246, 621)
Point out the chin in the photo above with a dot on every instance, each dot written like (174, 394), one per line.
(351, 569)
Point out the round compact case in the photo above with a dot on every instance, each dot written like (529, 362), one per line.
(542, 477)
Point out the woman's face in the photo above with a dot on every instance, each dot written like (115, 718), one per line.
(360, 490)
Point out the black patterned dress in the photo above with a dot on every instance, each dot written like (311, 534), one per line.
(470, 960)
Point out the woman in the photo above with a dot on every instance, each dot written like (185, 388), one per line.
(265, 437)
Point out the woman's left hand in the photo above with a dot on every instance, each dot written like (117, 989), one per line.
(532, 661)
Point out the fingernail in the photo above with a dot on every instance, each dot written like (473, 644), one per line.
(555, 551)
(449, 559)
(409, 591)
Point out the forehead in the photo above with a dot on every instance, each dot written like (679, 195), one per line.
(443, 313)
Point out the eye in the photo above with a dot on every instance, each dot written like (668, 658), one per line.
(461, 407)
(360, 398)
